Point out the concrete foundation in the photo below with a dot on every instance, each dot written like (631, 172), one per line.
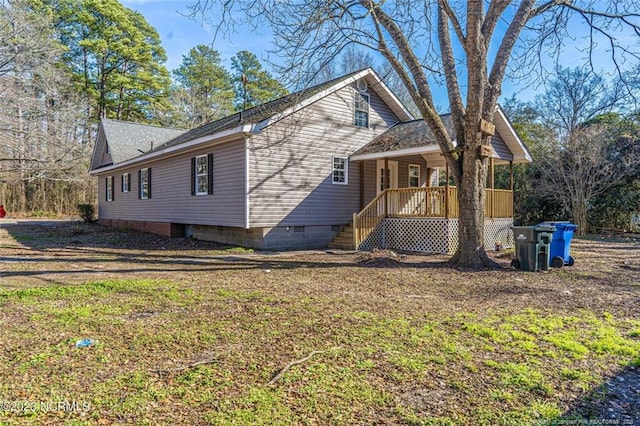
(161, 228)
(275, 238)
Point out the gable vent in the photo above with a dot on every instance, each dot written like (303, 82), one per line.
(362, 85)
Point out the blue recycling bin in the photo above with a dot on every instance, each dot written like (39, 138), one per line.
(561, 243)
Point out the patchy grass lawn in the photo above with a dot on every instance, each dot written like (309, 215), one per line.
(192, 333)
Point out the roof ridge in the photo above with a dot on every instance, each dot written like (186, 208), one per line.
(156, 126)
(266, 105)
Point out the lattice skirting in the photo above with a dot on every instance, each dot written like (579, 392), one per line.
(432, 235)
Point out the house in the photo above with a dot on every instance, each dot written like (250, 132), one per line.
(295, 173)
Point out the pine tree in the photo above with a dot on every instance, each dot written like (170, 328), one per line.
(115, 56)
(252, 84)
(204, 91)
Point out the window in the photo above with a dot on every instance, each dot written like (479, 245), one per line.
(202, 175)
(144, 186)
(106, 148)
(339, 173)
(126, 179)
(109, 188)
(414, 176)
(361, 109)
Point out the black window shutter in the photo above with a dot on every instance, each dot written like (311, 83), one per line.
(210, 173)
(139, 184)
(106, 188)
(121, 183)
(113, 188)
(193, 175)
(149, 182)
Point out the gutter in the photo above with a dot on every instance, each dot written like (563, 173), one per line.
(224, 136)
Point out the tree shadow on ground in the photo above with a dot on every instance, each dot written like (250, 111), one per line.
(94, 249)
(616, 401)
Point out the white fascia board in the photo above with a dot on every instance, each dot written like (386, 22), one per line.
(518, 149)
(402, 110)
(171, 151)
(399, 108)
(95, 144)
(398, 153)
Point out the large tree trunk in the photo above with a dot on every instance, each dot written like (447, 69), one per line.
(471, 197)
(471, 185)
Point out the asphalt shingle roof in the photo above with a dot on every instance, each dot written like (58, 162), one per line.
(251, 115)
(409, 134)
(128, 140)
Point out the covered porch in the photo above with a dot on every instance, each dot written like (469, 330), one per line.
(408, 200)
(426, 218)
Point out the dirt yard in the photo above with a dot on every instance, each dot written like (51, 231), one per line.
(189, 332)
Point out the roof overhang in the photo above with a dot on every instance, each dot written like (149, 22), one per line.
(215, 139)
(503, 126)
(519, 150)
(417, 150)
(375, 83)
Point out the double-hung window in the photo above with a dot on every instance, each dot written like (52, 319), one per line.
(126, 182)
(144, 181)
(109, 188)
(414, 176)
(339, 173)
(361, 109)
(202, 175)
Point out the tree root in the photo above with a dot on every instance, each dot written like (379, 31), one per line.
(483, 261)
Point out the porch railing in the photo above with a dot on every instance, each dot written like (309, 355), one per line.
(368, 218)
(440, 201)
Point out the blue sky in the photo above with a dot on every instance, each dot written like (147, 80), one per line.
(179, 34)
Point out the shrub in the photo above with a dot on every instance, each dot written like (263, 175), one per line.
(87, 212)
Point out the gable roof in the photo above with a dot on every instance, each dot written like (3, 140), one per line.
(402, 136)
(128, 140)
(415, 137)
(250, 121)
(277, 108)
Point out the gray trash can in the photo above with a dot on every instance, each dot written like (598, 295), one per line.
(526, 246)
(532, 247)
(544, 235)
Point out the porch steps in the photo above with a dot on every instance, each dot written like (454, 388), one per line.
(344, 239)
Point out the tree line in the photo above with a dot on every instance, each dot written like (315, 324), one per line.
(64, 64)
(583, 133)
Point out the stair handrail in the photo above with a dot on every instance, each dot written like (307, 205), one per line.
(364, 223)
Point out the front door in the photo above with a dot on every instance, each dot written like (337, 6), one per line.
(386, 178)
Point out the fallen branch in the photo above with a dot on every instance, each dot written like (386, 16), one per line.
(186, 367)
(291, 364)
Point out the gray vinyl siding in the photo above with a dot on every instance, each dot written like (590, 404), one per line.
(100, 156)
(500, 147)
(290, 163)
(171, 199)
(370, 180)
(371, 176)
(403, 170)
